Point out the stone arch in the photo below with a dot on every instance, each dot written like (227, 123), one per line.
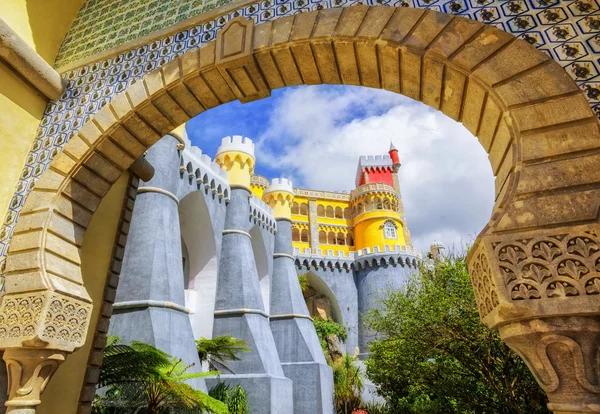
(321, 287)
(261, 260)
(201, 267)
(304, 209)
(304, 238)
(320, 210)
(528, 114)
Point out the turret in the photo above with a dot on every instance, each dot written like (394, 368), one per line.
(279, 196)
(236, 156)
(437, 250)
(377, 222)
(393, 152)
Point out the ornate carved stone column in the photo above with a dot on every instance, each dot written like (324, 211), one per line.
(542, 292)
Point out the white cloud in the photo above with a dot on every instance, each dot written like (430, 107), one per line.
(318, 133)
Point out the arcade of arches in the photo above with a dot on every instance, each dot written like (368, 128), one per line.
(535, 266)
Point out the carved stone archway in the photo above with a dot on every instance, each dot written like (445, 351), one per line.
(534, 266)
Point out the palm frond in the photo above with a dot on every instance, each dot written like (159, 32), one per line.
(221, 348)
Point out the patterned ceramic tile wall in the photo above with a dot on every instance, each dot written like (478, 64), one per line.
(103, 24)
(569, 31)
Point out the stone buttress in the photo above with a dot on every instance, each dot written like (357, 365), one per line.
(149, 305)
(239, 308)
(299, 349)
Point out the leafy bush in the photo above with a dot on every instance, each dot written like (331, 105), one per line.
(304, 284)
(433, 354)
(327, 327)
(236, 398)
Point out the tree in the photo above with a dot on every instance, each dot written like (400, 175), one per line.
(220, 350)
(433, 355)
(142, 379)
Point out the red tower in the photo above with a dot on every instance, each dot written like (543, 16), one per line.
(394, 156)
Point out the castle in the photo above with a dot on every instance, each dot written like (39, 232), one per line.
(88, 86)
(215, 249)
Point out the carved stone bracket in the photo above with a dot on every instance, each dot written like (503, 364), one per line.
(29, 371)
(564, 355)
(541, 290)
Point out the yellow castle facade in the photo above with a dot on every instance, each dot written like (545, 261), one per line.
(369, 218)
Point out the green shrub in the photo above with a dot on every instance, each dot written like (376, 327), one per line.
(327, 327)
(235, 398)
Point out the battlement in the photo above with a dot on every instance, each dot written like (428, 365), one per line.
(280, 184)
(262, 214)
(330, 259)
(365, 161)
(371, 162)
(237, 143)
(200, 168)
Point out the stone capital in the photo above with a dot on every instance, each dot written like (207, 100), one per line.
(29, 371)
(563, 355)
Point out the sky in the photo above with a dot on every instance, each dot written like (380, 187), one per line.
(315, 134)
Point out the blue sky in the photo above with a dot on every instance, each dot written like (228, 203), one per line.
(315, 134)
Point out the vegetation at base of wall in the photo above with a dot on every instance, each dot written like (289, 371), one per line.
(236, 398)
(220, 350)
(433, 354)
(326, 327)
(373, 408)
(347, 384)
(304, 283)
(138, 378)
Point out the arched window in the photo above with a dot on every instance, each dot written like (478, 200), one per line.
(295, 234)
(361, 209)
(386, 204)
(339, 213)
(322, 237)
(341, 240)
(331, 238)
(378, 203)
(347, 214)
(329, 211)
(389, 230)
(304, 209)
(295, 208)
(349, 240)
(304, 236)
(321, 210)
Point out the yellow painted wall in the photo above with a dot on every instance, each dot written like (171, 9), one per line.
(368, 229)
(43, 24)
(257, 190)
(62, 393)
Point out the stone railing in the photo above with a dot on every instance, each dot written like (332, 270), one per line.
(259, 180)
(373, 188)
(325, 195)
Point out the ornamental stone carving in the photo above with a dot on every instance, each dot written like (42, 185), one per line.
(44, 319)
